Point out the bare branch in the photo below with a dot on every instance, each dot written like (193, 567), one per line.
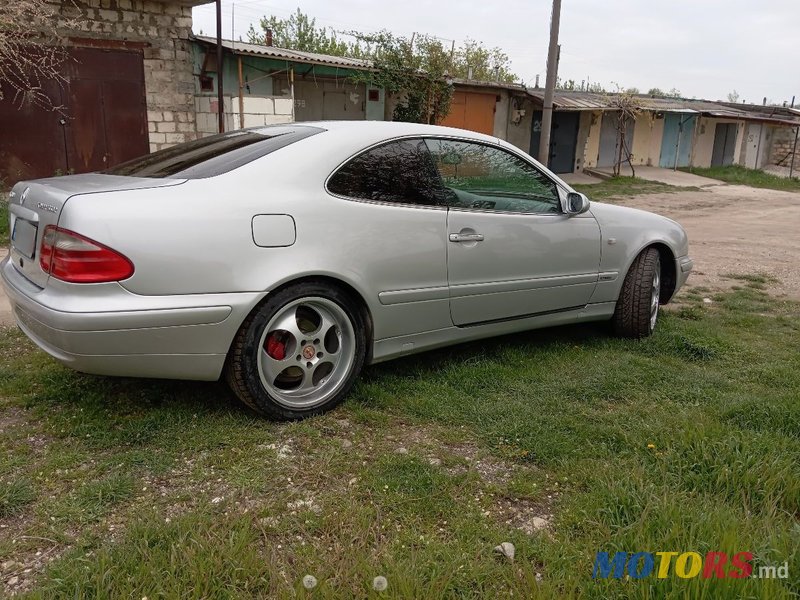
(29, 59)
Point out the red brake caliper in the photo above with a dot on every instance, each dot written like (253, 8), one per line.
(276, 345)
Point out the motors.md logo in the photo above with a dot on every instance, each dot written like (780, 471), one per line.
(685, 565)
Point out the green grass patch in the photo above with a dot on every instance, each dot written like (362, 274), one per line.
(739, 175)
(14, 496)
(626, 187)
(4, 233)
(758, 281)
(686, 441)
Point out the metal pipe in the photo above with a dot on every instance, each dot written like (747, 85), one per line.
(220, 100)
(794, 152)
(241, 97)
(291, 86)
(550, 85)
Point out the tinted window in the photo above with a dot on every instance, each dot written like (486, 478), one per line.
(489, 178)
(213, 155)
(399, 171)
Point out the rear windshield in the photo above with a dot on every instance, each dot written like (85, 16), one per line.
(213, 155)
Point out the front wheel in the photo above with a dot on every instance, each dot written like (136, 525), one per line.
(299, 354)
(636, 312)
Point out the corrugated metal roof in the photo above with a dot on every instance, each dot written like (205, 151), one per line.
(286, 54)
(498, 85)
(575, 101)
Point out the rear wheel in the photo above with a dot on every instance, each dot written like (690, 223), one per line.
(636, 313)
(299, 354)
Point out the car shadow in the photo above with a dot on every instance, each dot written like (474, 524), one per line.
(123, 395)
(431, 361)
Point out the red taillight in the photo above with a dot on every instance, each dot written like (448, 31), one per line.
(71, 257)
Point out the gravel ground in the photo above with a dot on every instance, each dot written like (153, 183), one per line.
(736, 229)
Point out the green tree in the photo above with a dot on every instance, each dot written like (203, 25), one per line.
(659, 93)
(300, 32)
(417, 69)
(486, 64)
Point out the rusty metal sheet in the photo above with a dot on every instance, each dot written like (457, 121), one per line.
(31, 137)
(103, 120)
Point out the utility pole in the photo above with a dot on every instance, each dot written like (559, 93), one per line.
(220, 97)
(550, 84)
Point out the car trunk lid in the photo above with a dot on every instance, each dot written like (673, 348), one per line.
(33, 205)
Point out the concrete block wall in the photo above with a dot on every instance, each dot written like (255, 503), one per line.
(258, 111)
(160, 30)
(782, 145)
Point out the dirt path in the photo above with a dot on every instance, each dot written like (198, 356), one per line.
(736, 229)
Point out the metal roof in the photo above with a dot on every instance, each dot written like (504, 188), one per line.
(498, 85)
(286, 54)
(573, 100)
(577, 101)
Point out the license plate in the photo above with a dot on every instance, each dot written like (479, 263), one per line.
(23, 238)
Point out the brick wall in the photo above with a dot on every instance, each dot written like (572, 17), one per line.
(782, 145)
(165, 28)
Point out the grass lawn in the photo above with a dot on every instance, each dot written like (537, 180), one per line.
(688, 441)
(743, 176)
(627, 186)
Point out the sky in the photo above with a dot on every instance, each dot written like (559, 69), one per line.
(704, 48)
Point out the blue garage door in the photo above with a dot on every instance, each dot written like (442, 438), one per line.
(676, 144)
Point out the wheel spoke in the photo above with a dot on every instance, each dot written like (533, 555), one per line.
(272, 367)
(310, 372)
(655, 297)
(288, 322)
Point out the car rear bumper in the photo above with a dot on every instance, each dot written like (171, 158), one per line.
(125, 334)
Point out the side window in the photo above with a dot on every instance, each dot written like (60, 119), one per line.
(399, 171)
(488, 178)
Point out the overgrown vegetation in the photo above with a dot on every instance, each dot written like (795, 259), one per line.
(687, 441)
(418, 68)
(300, 32)
(739, 175)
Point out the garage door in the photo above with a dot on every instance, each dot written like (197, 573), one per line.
(676, 143)
(563, 140)
(608, 153)
(102, 119)
(473, 111)
(724, 144)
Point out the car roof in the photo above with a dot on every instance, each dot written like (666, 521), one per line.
(389, 129)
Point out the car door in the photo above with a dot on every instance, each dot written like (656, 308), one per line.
(511, 252)
(396, 235)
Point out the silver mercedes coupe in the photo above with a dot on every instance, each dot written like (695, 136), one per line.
(286, 258)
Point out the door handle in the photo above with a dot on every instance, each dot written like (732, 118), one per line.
(466, 237)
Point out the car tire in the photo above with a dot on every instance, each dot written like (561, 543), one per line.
(299, 353)
(637, 308)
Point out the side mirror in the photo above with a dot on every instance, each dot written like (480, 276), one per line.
(576, 203)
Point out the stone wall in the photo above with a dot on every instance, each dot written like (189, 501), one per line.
(782, 145)
(161, 30)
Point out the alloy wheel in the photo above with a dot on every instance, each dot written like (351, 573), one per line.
(306, 352)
